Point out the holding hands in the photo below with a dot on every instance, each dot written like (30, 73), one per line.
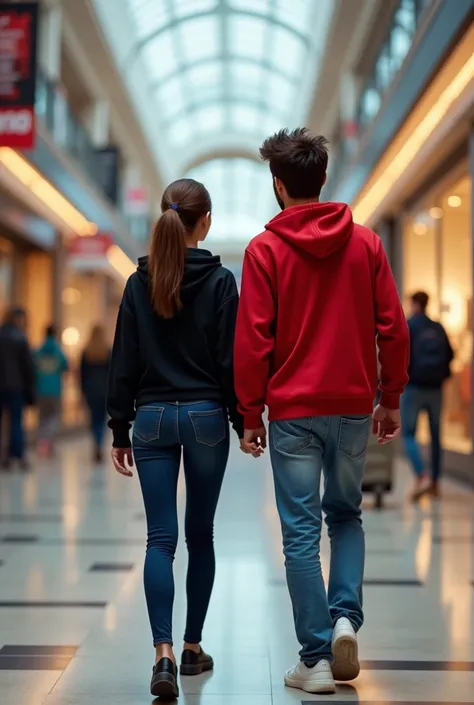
(254, 441)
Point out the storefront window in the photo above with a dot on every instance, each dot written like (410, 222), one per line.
(438, 259)
(401, 34)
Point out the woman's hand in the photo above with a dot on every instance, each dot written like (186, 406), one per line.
(243, 447)
(121, 457)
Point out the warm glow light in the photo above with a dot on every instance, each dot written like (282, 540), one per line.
(420, 229)
(27, 174)
(71, 296)
(454, 201)
(371, 200)
(70, 336)
(454, 316)
(436, 212)
(120, 261)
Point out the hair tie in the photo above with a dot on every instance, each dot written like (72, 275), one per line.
(174, 206)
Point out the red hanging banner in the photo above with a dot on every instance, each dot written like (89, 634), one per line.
(18, 48)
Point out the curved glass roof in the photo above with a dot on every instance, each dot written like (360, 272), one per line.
(232, 67)
(242, 197)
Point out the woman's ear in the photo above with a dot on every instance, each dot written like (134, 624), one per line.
(206, 222)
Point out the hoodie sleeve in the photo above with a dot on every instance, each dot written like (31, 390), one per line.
(124, 373)
(225, 328)
(393, 337)
(254, 340)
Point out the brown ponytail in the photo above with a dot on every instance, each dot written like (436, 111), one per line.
(184, 202)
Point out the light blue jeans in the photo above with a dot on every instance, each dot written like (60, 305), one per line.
(414, 401)
(300, 449)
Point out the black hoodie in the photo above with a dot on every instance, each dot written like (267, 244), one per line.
(186, 358)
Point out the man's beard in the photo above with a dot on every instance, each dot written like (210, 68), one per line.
(278, 198)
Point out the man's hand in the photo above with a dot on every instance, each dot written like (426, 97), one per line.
(254, 441)
(386, 424)
(119, 456)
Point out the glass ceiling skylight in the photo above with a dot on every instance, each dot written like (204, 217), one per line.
(224, 66)
(242, 197)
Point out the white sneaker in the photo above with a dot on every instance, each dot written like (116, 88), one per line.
(312, 680)
(345, 666)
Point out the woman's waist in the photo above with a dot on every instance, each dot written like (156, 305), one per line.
(179, 397)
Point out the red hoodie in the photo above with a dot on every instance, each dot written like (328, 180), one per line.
(316, 291)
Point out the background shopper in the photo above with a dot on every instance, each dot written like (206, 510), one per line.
(17, 385)
(95, 363)
(173, 362)
(431, 355)
(51, 364)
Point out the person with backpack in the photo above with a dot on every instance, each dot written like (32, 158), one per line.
(430, 359)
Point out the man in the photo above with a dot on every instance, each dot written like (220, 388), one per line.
(430, 359)
(17, 383)
(316, 289)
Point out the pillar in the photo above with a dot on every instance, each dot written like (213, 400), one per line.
(98, 121)
(50, 30)
(348, 110)
(58, 282)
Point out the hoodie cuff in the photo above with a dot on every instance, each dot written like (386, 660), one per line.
(390, 401)
(253, 421)
(121, 438)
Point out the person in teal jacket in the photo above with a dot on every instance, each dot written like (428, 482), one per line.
(51, 364)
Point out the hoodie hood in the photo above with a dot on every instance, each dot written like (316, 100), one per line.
(200, 264)
(320, 229)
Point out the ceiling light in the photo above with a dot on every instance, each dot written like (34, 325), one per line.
(454, 201)
(436, 213)
(420, 229)
(71, 296)
(70, 337)
(46, 192)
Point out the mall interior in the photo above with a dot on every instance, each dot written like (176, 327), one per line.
(130, 95)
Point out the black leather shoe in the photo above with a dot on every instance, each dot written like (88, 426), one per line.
(193, 664)
(164, 680)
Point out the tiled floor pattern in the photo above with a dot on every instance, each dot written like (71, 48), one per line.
(36, 658)
(73, 623)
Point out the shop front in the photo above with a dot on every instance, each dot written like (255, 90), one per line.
(437, 236)
(90, 296)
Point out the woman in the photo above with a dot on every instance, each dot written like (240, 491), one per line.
(95, 364)
(172, 361)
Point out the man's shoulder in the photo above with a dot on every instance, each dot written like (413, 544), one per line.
(367, 235)
(262, 242)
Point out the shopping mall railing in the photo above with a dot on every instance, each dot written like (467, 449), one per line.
(53, 109)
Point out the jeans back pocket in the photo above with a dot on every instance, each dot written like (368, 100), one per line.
(148, 423)
(354, 435)
(209, 426)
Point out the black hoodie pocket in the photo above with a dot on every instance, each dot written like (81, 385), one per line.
(209, 426)
(148, 423)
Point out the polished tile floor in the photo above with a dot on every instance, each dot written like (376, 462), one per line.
(73, 626)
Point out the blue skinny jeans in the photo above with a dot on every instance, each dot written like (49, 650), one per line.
(163, 432)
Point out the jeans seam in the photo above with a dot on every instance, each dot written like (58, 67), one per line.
(177, 425)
